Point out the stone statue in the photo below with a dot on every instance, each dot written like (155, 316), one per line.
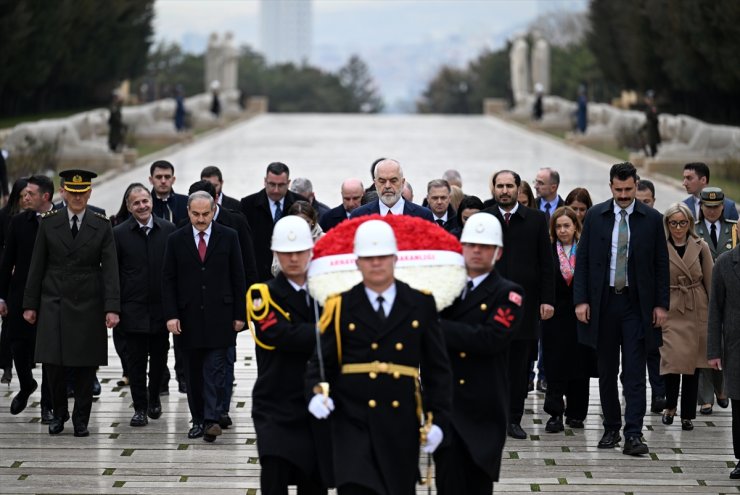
(518, 60)
(541, 64)
(229, 63)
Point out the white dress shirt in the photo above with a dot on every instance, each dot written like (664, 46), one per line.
(389, 295)
(207, 237)
(397, 208)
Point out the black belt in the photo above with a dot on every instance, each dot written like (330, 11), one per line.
(613, 290)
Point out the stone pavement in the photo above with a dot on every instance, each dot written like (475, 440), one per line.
(329, 148)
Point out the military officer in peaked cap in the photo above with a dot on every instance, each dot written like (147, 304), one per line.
(73, 294)
(477, 329)
(379, 338)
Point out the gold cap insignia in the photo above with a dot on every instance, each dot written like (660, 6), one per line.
(712, 195)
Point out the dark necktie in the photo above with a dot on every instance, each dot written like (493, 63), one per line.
(507, 216)
(145, 230)
(304, 296)
(202, 246)
(547, 212)
(278, 211)
(75, 229)
(441, 223)
(620, 272)
(713, 234)
(380, 311)
(468, 289)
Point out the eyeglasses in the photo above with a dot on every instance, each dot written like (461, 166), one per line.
(675, 224)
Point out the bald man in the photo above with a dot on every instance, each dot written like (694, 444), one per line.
(352, 191)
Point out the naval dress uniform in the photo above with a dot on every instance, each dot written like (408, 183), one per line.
(293, 446)
(477, 330)
(385, 374)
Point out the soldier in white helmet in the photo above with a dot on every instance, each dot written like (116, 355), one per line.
(282, 319)
(477, 329)
(378, 339)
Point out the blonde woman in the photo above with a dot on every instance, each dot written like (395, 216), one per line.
(685, 330)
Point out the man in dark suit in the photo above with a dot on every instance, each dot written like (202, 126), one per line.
(203, 291)
(438, 199)
(236, 221)
(477, 329)
(546, 183)
(73, 289)
(376, 338)
(165, 202)
(266, 207)
(352, 191)
(288, 438)
(695, 179)
(14, 267)
(527, 261)
(621, 298)
(140, 245)
(304, 187)
(213, 175)
(389, 183)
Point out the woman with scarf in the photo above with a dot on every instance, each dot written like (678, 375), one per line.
(567, 362)
(685, 330)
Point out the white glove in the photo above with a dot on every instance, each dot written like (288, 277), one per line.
(321, 406)
(434, 438)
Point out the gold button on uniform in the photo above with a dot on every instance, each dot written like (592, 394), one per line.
(483, 307)
(399, 346)
(395, 403)
(351, 327)
(463, 355)
(373, 375)
(462, 382)
(371, 403)
(374, 346)
(415, 324)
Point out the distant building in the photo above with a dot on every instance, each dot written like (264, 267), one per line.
(285, 31)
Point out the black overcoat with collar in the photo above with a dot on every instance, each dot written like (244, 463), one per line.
(72, 283)
(477, 331)
(527, 261)
(332, 218)
(375, 428)
(647, 268)
(409, 208)
(283, 346)
(206, 296)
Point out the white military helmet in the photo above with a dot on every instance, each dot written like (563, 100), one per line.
(482, 228)
(291, 234)
(375, 238)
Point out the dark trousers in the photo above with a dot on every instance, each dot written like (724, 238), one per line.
(22, 351)
(142, 348)
(277, 474)
(119, 342)
(653, 367)
(520, 353)
(711, 382)
(621, 327)
(575, 391)
(204, 370)
(352, 489)
(457, 472)
(83, 378)
(6, 360)
(736, 427)
(225, 403)
(689, 386)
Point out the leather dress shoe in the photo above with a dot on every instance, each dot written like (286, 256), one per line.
(20, 401)
(668, 419)
(723, 403)
(554, 424)
(735, 474)
(7, 376)
(56, 426)
(97, 389)
(515, 431)
(706, 409)
(154, 410)
(574, 423)
(609, 439)
(123, 382)
(635, 446)
(196, 431)
(139, 419)
(211, 431)
(81, 430)
(225, 420)
(657, 404)
(46, 415)
(687, 425)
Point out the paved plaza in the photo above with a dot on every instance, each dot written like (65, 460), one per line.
(159, 459)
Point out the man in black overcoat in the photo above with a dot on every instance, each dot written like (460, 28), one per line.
(477, 329)
(203, 290)
(527, 261)
(140, 246)
(352, 191)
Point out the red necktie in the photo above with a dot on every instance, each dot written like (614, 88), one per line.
(507, 216)
(202, 246)
(389, 212)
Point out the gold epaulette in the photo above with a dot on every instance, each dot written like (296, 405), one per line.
(258, 309)
(333, 310)
(734, 235)
(49, 213)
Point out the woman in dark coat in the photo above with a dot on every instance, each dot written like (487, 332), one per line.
(567, 362)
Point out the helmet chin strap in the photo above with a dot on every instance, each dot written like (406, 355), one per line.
(495, 256)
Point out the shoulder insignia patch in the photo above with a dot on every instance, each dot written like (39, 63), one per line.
(49, 213)
(515, 298)
(100, 215)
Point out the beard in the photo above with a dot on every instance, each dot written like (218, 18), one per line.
(390, 198)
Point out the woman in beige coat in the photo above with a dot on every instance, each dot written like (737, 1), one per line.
(685, 331)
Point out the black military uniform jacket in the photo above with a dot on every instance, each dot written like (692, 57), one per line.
(477, 331)
(284, 344)
(375, 426)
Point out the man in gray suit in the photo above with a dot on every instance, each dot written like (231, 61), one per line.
(717, 231)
